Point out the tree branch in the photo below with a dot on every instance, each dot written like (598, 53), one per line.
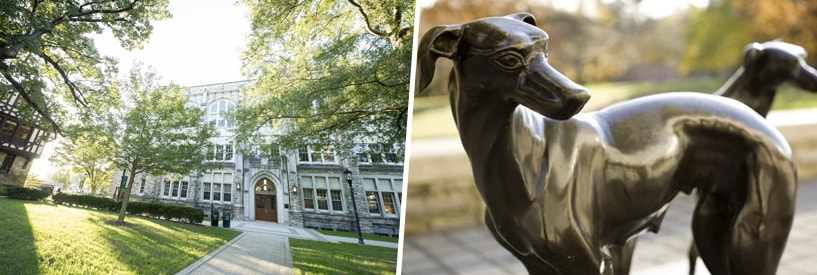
(31, 102)
(129, 7)
(366, 19)
(75, 92)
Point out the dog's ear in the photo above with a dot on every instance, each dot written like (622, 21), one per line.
(750, 54)
(440, 41)
(524, 17)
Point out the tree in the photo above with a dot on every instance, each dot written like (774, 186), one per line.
(715, 37)
(323, 68)
(88, 151)
(160, 132)
(33, 181)
(790, 20)
(48, 57)
(61, 176)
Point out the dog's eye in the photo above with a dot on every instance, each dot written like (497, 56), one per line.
(509, 61)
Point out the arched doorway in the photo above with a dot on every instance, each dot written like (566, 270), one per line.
(265, 201)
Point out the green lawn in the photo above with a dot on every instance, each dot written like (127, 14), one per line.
(316, 257)
(354, 235)
(432, 115)
(42, 238)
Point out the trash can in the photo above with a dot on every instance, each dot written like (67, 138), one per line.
(214, 218)
(226, 219)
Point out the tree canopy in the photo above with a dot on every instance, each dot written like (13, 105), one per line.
(158, 131)
(48, 56)
(88, 151)
(323, 68)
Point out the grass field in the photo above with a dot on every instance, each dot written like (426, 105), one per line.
(432, 115)
(42, 238)
(316, 257)
(354, 235)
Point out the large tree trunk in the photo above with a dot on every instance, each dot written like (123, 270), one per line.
(126, 196)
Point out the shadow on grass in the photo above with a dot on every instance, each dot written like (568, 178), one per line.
(315, 257)
(148, 246)
(18, 253)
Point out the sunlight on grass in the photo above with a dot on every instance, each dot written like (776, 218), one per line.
(315, 257)
(432, 115)
(52, 239)
(354, 235)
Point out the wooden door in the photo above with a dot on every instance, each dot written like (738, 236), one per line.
(265, 209)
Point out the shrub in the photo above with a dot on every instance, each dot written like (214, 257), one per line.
(22, 193)
(156, 210)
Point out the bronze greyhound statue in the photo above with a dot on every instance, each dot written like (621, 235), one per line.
(563, 190)
(766, 66)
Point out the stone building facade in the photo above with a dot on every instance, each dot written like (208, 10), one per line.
(302, 186)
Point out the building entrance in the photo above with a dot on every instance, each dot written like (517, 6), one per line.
(265, 201)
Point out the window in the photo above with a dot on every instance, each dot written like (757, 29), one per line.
(142, 186)
(183, 192)
(166, 187)
(220, 152)
(217, 187)
(322, 200)
(174, 188)
(383, 195)
(8, 127)
(228, 192)
(319, 155)
(368, 153)
(309, 202)
(374, 202)
(219, 112)
(23, 132)
(206, 192)
(216, 191)
(324, 191)
(388, 203)
(337, 204)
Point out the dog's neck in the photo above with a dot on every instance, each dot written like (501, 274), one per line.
(483, 118)
(741, 87)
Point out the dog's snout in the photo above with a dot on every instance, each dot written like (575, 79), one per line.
(580, 95)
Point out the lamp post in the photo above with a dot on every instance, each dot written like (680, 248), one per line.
(348, 175)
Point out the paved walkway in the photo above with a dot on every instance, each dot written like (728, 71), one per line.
(262, 248)
(474, 250)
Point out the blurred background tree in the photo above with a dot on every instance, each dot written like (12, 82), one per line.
(633, 40)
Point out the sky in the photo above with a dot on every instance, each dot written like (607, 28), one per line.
(201, 44)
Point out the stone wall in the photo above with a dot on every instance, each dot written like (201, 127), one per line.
(442, 195)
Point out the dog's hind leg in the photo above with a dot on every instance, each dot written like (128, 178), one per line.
(693, 257)
(712, 224)
(762, 226)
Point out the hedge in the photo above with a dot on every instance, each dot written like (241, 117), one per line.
(22, 193)
(158, 210)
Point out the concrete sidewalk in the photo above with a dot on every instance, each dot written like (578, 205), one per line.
(474, 251)
(262, 248)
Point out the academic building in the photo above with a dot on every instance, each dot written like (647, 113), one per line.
(303, 186)
(19, 144)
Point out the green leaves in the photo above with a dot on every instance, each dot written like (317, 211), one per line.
(327, 69)
(161, 132)
(47, 56)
